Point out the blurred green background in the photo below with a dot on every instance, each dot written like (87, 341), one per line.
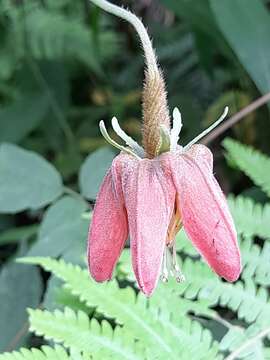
(64, 66)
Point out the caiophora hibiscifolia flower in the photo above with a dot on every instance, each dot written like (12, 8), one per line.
(150, 192)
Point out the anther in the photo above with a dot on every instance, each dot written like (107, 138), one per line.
(164, 279)
(181, 278)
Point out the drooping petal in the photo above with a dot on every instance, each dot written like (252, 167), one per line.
(201, 154)
(205, 213)
(108, 229)
(149, 198)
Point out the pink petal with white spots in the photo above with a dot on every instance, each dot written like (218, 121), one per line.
(108, 229)
(205, 213)
(149, 198)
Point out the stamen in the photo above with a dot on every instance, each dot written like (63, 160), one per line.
(210, 128)
(165, 273)
(179, 276)
(107, 137)
(170, 262)
(176, 129)
(128, 140)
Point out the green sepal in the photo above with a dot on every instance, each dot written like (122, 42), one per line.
(165, 140)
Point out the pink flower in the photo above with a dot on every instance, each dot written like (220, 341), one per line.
(149, 200)
(149, 193)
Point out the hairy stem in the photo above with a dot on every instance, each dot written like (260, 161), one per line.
(150, 56)
(154, 98)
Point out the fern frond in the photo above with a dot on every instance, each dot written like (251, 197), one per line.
(194, 341)
(144, 322)
(76, 331)
(249, 301)
(252, 162)
(109, 301)
(51, 33)
(53, 36)
(165, 293)
(256, 262)
(237, 336)
(46, 353)
(251, 219)
(249, 339)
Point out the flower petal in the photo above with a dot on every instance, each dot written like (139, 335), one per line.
(149, 198)
(201, 153)
(108, 230)
(205, 213)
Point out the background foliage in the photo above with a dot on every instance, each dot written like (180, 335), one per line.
(64, 65)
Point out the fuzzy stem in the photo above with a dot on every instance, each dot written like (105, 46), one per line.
(154, 98)
(150, 56)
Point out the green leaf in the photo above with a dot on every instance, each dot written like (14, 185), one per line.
(240, 297)
(20, 287)
(46, 353)
(255, 261)
(75, 331)
(20, 118)
(199, 16)
(58, 297)
(238, 336)
(252, 162)
(247, 28)
(51, 35)
(108, 300)
(27, 180)
(251, 219)
(153, 326)
(93, 170)
(62, 228)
